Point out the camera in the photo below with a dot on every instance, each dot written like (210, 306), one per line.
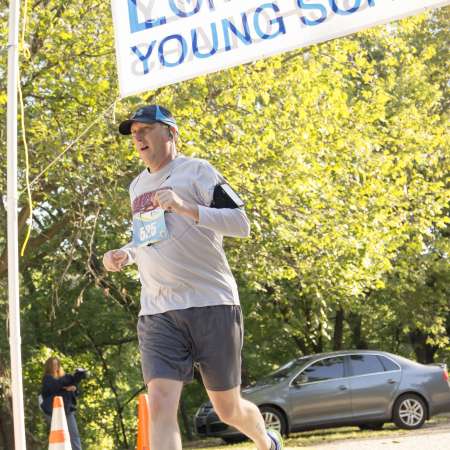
(80, 374)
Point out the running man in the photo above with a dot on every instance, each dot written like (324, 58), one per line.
(182, 208)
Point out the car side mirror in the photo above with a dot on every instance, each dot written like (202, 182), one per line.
(301, 379)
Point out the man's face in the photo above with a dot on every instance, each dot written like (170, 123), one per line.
(152, 142)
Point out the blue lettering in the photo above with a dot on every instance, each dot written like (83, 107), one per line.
(144, 58)
(215, 45)
(344, 12)
(279, 20)
(184, 50)
(244, 36)
(135, 25)
(317, 6)
(176, 10)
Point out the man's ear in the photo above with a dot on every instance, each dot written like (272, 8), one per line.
(172, 133)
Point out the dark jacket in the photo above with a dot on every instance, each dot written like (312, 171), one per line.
(52, 387)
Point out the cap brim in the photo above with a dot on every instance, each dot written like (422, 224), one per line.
(125, 126)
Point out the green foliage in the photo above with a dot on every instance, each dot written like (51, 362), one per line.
(340, 151)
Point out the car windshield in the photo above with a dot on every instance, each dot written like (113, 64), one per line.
(283, 372)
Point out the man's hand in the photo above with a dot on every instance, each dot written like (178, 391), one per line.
(170, 201)
(71, 388)
(114, 260)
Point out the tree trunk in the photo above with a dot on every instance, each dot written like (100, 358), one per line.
(424, 352)
(301, 344)
(338, 329)
(358, 341)
(318, 344)
(6, 423)
(245, 375)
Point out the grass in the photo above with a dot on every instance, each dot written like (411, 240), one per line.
(309, 438)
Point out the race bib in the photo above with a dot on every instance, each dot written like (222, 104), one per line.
(149, 227)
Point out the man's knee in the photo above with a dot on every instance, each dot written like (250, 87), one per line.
(163, 402)
(228, 412)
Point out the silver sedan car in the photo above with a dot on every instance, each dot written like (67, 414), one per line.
(361, 387)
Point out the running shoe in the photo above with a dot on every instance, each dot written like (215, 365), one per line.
(276, 439)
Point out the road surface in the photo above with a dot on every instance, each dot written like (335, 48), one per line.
(432, 437)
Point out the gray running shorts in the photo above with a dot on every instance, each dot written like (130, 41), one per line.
(211, 336)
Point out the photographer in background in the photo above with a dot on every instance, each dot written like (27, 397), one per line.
(56, 383)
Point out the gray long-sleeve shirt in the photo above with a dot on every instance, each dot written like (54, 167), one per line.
(189, 269)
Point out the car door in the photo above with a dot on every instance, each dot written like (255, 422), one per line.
(374, 379)
(320, 393)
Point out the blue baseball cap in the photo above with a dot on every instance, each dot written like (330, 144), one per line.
(148, 114)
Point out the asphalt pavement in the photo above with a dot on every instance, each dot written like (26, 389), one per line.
(432, 437)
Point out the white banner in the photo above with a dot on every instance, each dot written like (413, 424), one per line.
(159, 42)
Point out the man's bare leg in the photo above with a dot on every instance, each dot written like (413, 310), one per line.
(163, 398)
(241, 414)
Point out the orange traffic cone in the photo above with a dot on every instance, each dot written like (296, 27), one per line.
(59, 433)
(143, 439)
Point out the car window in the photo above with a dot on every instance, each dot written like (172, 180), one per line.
(284, 371)
(365, 364)
(325, 369)
(288, 368)
(388, 364)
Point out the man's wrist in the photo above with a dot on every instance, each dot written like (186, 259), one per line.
(189, 210)
(128, 255)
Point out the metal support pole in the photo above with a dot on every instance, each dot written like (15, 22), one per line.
(13, 237)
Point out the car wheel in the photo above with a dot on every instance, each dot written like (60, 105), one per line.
(371, 426)
(274, 419)
(409, 412)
